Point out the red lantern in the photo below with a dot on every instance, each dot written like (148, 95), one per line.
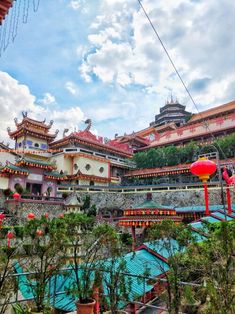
(39, 233)
(31, 216)
(10, 236)
(16, 196)
(203, 168)
(61, 216)
(2, 216)
(46, 215)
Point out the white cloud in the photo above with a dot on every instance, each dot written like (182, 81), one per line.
(75, 4)
(72, 88)
(197, 34)
(47, 99)
(16, 97)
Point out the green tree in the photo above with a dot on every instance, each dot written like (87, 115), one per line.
(172, 240)
(45, 255)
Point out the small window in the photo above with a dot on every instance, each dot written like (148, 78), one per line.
(101, 169)
(88, 167)
(20, 144)
(75, 167)
(36, 145)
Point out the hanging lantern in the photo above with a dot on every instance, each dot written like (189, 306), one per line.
(39, 233)
(61, 216)
(2, 216)
(46, 215)
(10, 236)
(203, 168)
(16, 196)
(31, 216)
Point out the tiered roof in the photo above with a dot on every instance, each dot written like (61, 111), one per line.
(211, 113)
(32, 127)
(36, 163)
(86, 138)
(168, 170)
(147, 214)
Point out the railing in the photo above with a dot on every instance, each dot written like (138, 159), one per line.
(137, 188)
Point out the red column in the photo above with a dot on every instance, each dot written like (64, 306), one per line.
(228, 199)
(206, 199)
(96, 297)
(133, 237)
(133, 308)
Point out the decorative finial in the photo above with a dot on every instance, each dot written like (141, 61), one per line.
(65, 131)
(16, 121)
(8, 129)
(56, 131)
(24, 114)
(51, 122)
(89, 124)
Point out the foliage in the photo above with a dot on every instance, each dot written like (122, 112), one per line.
(215, 262)
(44, 240)
(85, 249)
(7, 284)
(166, 156)
(173, 240)
(116, 284)
(172, 155)
(7, 192)
(19, 189)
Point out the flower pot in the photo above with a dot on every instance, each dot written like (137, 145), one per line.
(85, 308)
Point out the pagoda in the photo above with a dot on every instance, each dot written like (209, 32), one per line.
(32, 169)
(173, 111)
(147, 214)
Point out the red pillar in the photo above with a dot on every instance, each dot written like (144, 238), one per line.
(228, 200)
(133, 237)
(133, 308)
(206, 199)
(96, 297)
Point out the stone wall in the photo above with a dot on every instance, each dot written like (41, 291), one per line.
(20, 210)
(172, 198)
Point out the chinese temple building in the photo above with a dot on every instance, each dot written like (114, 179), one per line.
(32, 164)
(146, 214)
(85, 159)
(201, 128)
(174, 112)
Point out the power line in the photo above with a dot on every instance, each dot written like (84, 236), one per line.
(177, 72)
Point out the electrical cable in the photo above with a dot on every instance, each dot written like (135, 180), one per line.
(178, 74)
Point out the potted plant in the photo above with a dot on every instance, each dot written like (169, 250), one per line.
(44, 257)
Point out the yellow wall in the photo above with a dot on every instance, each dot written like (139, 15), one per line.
(4, 182)
(95, 165)
(4, 156)
(62, 163)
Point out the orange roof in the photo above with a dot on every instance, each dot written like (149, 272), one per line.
(210, 113)
(88, 139)
(181, 168)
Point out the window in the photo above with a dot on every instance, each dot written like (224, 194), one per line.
(88, 167)
(101, 169)
(36, 145)
(75, 167)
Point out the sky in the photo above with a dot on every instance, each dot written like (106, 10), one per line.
(100, 59)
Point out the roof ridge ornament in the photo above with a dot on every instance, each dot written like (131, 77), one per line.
(89, 124)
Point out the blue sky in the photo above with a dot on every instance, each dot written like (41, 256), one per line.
(78, 59)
